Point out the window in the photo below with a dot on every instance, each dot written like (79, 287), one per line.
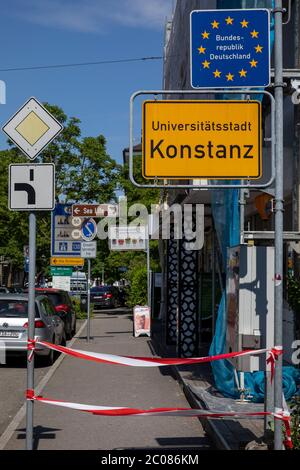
(50, 308)
(15, 309)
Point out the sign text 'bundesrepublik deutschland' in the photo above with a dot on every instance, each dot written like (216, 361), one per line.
(230, 48)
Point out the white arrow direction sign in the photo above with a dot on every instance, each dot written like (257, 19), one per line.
(32, 187)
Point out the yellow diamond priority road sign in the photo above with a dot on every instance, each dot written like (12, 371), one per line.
(32, 128)
(202, 140)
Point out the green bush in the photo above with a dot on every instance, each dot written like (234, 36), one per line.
(295, 424)
(293, 290)
(137, 292)
(80, 314)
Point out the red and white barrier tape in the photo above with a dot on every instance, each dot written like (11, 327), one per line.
(274, 353)
(31, 346)
(285, 416)
(282, 415)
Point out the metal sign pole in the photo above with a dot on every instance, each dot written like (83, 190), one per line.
(89, 302)
(278, 14)
(31, 328)
(148, 273)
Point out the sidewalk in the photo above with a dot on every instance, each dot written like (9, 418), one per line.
(102, 384)
(198, 385)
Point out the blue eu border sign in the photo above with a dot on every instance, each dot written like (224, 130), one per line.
(230, 48)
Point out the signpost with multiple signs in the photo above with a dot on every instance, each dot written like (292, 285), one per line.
(31, 188)
(89, 251)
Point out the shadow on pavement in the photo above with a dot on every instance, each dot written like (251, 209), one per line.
(187, 442)
(39, 433)
(119, 332)
(114, 311)
(94, 337)
(20, 362)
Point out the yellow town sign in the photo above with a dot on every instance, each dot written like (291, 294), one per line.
(202, 139)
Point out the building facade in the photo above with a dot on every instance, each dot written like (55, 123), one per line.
(190, 309)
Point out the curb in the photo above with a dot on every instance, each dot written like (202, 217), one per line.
(16, 421)
(208, 424)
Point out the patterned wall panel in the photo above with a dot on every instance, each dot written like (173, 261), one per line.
(172, 289)
(188, 296)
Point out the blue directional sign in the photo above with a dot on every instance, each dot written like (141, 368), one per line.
(62, 242)
(230, 48)
(89, 229)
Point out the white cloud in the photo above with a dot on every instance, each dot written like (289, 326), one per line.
(95, 15)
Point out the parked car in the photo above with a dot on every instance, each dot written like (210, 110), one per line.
(105, 296)
(4, 290)
(14, 325)
(63, 306)
(16, 290)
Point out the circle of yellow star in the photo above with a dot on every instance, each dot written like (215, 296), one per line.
(254, 34)
(253, 63)
(201, 50)
(215, 24)
(243, 73)
(205, 35)
(217, 73)
(229, 20)
(244, 24)
(206, 64)
(230, 77)
(258, 49)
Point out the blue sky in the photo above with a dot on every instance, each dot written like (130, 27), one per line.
(43, 32)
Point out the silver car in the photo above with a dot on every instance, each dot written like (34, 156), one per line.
(14, 325)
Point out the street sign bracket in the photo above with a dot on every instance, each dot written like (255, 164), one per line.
(202, 92)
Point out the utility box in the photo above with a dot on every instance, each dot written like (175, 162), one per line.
(250, 304)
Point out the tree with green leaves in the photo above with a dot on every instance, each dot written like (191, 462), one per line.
(84, 173)
(135, 262)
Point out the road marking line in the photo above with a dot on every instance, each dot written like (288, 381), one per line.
(15, 423)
